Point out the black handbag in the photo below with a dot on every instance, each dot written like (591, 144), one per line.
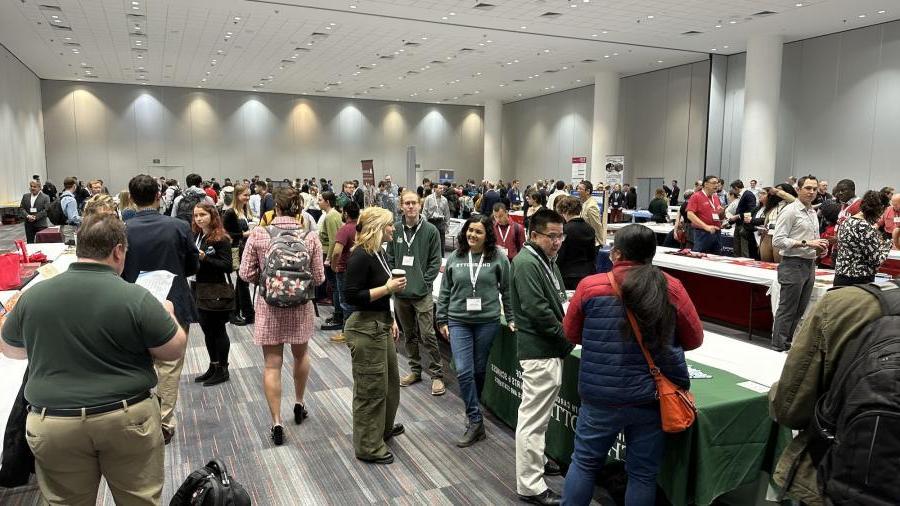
(215, 296)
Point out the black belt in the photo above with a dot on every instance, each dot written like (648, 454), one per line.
(94, 410)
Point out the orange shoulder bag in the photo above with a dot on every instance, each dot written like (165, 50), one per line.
(677, 407)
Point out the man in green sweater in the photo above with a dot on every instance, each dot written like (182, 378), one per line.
(327, 234)
(416, 249)
(538, 294)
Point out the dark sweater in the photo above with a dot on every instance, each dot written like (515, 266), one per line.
(363, 273)
(577, 258)
(660, 210)
(215, 266)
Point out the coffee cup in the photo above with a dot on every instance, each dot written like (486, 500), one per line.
(398, 273)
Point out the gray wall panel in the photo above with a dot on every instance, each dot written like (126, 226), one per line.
(21, 123)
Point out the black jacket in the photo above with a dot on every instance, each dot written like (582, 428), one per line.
(158, 242)
(577, 257)
(490, 198)
(235, 228)
(673, 197)
(41, 203)
(216, 265)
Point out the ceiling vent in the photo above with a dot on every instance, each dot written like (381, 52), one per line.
(588, 61)
(762, 14)
(436, 62)
(466, 50)
(302, 49)
(518, 80)
(287, 62)
(71, 44)
(551, 71)
(89, 76)
(386, 57)
(363, 67)
(333, 84)
(319, 36)
(691, 33)
(61, 28)
(411, 44)
(412, 72)
(550, 15)
(50, 8)
(484, 6)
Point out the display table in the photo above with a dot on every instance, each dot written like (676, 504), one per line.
(732, 441)
(49, 235)
(518, 217)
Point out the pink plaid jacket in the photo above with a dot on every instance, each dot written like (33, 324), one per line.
(277, 325)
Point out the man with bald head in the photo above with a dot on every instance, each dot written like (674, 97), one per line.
(891, 217)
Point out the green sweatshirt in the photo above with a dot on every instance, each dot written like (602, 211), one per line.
(426, 252)
(537, 306)
(456, 287)
(328, 232)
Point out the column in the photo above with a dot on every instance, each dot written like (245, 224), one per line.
(493, 132)
(606, 120)
(762, 92)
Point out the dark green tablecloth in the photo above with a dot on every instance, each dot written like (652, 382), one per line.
(731, 442)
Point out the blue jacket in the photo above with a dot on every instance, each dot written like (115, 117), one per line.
(613, 369)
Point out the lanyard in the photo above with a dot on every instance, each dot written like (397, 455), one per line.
(199, 240)
(547, 269)
(473, 276)
(712, 202)
(384, 264)
(502, 235)
(409, 240)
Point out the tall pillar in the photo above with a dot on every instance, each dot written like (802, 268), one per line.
(493, 132)
(606, 120)
(762, 92)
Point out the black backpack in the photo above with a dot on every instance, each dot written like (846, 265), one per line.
(185, 210)
(211, 486)
(858, 420)
(56, 214)
(175, 195)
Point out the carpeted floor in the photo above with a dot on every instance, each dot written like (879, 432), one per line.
(316, 465)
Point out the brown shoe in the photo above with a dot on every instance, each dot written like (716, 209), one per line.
(338, 338)
(409, 379)
(437, 387)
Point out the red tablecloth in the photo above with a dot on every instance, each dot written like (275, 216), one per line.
(49, 234)
(734, 302)
(891, 267)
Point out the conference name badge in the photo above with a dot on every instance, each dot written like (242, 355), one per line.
(473, 304)
(408, 261)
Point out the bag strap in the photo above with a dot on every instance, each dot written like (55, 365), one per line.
(634, 326)
(888, 295)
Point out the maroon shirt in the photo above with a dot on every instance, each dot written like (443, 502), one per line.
(346, 236)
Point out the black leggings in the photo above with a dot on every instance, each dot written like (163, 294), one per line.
(243, 302)
(217, 343)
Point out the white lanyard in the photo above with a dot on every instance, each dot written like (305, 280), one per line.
(199, 240)
(384, 264)
(409, 240)
(712, 202)
(473, 275)
(546, 267)
(502, 235)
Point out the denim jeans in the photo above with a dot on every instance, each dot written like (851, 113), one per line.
(596, 431)
(346, 309)
(331, 278)
(471, 346)
(705, 242)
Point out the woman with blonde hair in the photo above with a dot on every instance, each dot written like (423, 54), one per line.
(100, 203)
(127, 208)
(277, 326)
(237, 219)
(369, 332)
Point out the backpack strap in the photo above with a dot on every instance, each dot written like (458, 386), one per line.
(888, 295)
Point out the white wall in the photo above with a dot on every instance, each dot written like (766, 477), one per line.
(113, 132)
(21, 128)
(661, 128)
(840, 107)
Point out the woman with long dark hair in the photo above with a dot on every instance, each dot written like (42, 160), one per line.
(779, 196)
(476, 277)
(861, 248)
(277, 326)
(214, 246)
(534, 202)
(236, 221)
(618, 392)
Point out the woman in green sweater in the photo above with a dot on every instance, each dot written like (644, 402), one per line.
(475, 279)
(659, 207)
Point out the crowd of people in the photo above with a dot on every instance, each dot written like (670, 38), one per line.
(374, 253)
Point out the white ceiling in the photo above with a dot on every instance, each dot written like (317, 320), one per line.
(417, 50)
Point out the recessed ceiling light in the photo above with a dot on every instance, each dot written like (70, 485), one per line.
(573, 5)
(593, 35)
(530, 77)
(476, 91)
(328, 28)
(565, 68)
(237, 18)
(604, 32)
(430, 89)
(659, 61)
(134, 7)
(713, 49)
(489, 41)
(68, 38)
(861, 16)
(515, 61)
(615, 54)
(135, 3)
(881, 12)
(650, 16)
(502, 85)
(333, 24)
(203, 80)
(444, 18)
(523, 27)
(798, 5)
(352, 6)
(546, 50)
(477, 73)
(453, 14)
(726, 47)
(606, 56)
(733, 22)
(402, 50)
(424, 38)
(578, 80)
(520, 94)
(718, 26)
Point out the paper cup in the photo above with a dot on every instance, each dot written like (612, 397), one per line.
(398, 273)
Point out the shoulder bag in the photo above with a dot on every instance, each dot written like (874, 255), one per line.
(215, 296)
(677, 407)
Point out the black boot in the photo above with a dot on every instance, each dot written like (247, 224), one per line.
(474, 433)
(219, 376)
(300, 413)
(208, 374)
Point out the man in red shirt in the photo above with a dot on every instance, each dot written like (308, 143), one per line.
(891, 217)
(208, 189)
(510, 235)
(704, 210)
(343, 242)
(845, 193)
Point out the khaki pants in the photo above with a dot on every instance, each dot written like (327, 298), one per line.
(416, 317)
(124, 446)
(376, 381)
(169, 373)
(541, 380)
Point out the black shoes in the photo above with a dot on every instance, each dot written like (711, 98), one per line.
(474, 433)
(219, 375)
(208, 374)
(546, 497)
(396, 430)
(552, 469)
(387, 459)
(278, 435)
(300, 413)
(237, 321)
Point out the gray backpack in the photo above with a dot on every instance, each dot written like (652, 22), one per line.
(286, 279)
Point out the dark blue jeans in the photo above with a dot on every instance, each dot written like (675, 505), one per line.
(331, 278)
(471, 346)
(596, 431)
(704, 242)
(346, 309)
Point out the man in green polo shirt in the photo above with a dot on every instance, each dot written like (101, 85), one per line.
(538, 294)
(90, 338)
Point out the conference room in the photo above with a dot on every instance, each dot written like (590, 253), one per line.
(474, 224)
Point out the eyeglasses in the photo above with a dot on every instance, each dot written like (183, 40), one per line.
(552, 237)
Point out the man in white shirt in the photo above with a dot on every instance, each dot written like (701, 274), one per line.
(437, 210)
(560, 190)
(254, 205)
